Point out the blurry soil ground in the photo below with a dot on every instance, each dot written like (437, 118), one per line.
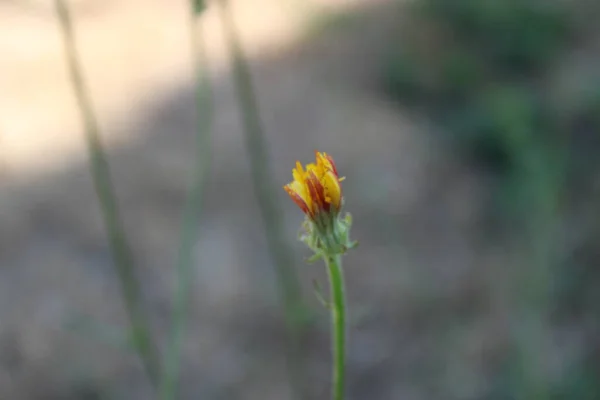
(417, 211)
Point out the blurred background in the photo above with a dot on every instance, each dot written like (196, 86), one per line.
(468, 132)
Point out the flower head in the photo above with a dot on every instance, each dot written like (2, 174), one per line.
(316, 189)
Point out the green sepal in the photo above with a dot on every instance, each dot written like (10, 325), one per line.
(314, 258)
(327, 235)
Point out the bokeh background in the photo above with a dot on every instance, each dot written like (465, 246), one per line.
(468, 132)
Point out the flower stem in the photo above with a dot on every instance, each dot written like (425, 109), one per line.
(121, 252)
(192, 211)
(296, 314)
(260, 170)
(338, 320)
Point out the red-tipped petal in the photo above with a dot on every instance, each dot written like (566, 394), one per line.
(334, 169)
(298, 200)
(317, 191)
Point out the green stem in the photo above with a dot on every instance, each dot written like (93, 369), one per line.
(271, 214)
(261, 174)
(338, 320)
(540, 179)
(121, 252)
(191, 215)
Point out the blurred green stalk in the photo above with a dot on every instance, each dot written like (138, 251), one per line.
(193, 209)
(539, 177)
(338, 322)
(295, 311)
(121, 252)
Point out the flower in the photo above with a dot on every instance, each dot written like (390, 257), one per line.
(317, 189)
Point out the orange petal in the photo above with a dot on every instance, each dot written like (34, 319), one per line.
(317, 191)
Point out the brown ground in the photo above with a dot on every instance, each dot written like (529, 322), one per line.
(415, 210)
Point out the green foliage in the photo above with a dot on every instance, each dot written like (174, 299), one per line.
(401, 77)
(500, 125)
(477, 69)
(519, 34)
(580, 383)
(484, 71)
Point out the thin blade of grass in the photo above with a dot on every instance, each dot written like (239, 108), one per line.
(295, 311)
(121, 252)
(193, 209)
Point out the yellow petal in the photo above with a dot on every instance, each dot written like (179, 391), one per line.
(298, 172)
(316, 187)
(333, 190)
(301, 190)
(298, 200)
